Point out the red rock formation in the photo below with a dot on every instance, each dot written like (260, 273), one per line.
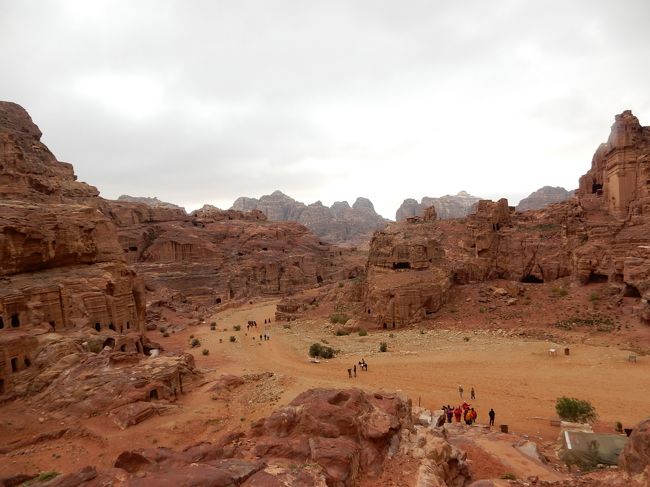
(214, 256)
(603, 234)
(635, 458)
(62, 267)
(149, 201)
(337, 437)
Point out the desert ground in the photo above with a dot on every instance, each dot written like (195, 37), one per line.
(511, 373)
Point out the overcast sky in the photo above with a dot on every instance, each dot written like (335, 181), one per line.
(204, 101)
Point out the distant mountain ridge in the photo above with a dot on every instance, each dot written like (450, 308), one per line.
(544, 196)
(448, 206)
(149, 201)
(339, 223)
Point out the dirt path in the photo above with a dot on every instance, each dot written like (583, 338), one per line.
(514, 376)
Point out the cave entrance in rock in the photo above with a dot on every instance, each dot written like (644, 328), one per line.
(14, 364)
(27, 361)
(111, 326)
(123, 348)
(597, 278)
(109, 342)
(2, 387)
(53, 325)
(401, 265)
(15, 320)
(138, 347)
(596, 188)
(319, 279)
(128, 325)
(217, 301)
(153, 394)
(530, 279)
(385, 326)
(631, 291)
(2, 323)
(98, 327)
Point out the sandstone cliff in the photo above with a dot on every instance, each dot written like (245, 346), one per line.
(61, 265)
(448, 206)
(340, 223)
(215, 256)
(544, 197)
(602, 235)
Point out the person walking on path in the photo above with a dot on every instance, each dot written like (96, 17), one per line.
(350, 373)
(491, 414)
(450, 413)
(355, 370)
(460, 391)
(472, 394)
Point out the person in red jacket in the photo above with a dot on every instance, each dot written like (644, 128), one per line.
(457, 413)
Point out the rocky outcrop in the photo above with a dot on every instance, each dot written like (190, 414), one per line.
(62, 266)
(215, 256)
(340, 223)
(591, 238)
(635, 458)
(543, 197)
(149, 201)
(448, 206)
(324, 437)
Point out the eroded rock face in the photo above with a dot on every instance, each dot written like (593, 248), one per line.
(62, 265)
(340, 223)
(448, 206)
(635, 457)
(592, 238)
(324, 437)
(215, 256)
(543, 197)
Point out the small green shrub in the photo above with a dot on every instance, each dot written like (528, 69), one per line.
(195, 343)
(508, 476)
(575, 410)
(391, 335)
(618, 426)
(594, 297)
(191, 336)
(560, 291)
(339, 318)
(236, 327)
(383, 347)
(363, 333)
(340, 284)
(214, 323)
(166, 334)
(286, 326)
(95, 346)
(318, 350)
(233, 338)
(162, 329)
(206, 351)
(341, 333)
(466, 339)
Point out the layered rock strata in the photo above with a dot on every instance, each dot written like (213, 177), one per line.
(602, 235)
(214, 257)
(62, 267)
(340, 223)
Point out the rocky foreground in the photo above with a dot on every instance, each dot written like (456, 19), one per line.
(340, 438)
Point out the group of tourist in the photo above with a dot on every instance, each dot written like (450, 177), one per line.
(265, 336)
(465, 412)
(363, 365)
(251, 324)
